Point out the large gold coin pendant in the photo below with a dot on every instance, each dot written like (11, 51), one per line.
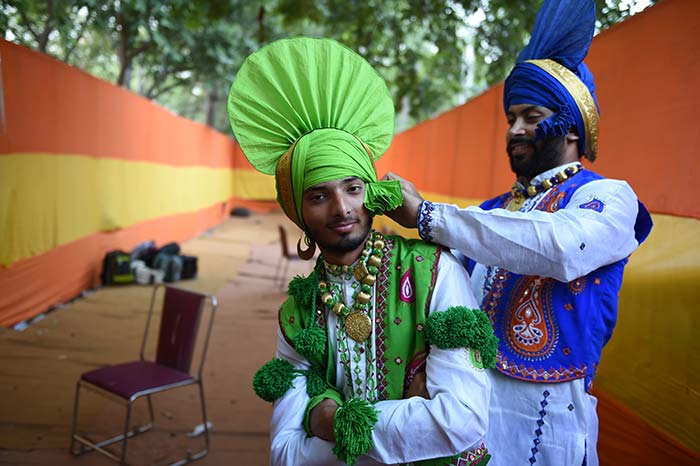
(358, 325)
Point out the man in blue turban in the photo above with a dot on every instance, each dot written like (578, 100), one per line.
(546, 258)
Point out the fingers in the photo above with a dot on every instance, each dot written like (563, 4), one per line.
(405, 184)
(392, 176)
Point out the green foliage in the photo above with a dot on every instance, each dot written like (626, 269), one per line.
(54, 27)
(501, 36)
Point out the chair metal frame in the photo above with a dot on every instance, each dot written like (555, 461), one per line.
(87, 445)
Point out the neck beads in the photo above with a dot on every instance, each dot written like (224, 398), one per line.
(358, 324)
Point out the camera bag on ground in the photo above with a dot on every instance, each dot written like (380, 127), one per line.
(145, 275)
(170, 264)
(145, 251)
(116, 269)
(170, 248)
(189, 267)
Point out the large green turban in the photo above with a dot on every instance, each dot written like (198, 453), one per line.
(310, 111)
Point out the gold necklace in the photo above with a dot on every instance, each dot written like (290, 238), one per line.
(358, 324)
(519, 193)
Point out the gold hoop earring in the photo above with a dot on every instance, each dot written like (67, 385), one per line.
(310, 250)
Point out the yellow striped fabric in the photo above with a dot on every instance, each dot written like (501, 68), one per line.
(47, 200)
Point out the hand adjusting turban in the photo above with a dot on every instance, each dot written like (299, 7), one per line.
(550, 72)
(309, 111)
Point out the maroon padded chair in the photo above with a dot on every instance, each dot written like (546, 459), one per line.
(285, 257)
(182, 313)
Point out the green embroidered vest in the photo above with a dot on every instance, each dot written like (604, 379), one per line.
(401, 310)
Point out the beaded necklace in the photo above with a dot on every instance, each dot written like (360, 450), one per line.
(358, 325)
(520, 193)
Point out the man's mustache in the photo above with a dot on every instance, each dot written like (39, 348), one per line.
(519, 140)
(344, 221)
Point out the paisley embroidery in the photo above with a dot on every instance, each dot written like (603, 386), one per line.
(552, 201)
(407, 292)
(594, 204)
(530, 329)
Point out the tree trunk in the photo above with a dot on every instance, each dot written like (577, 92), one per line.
(125, 76)
(43, 39)
(212, 106)
(261, 25)
(124, 57)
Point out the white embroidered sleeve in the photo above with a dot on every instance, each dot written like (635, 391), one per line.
(595, 228)
(290, 446)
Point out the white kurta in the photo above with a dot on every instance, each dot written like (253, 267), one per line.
(552, 424)
(452, 421)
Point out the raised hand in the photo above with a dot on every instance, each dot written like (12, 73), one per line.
(407, 214)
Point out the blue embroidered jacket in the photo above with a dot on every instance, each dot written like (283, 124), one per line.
(551, 331)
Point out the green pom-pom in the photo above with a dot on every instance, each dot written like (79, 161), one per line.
(303, 290)
(459, 327)
(353, 424)
(311, 342)
(460, 321)
(449, 329)
(315, 383)
(484, 340)
(273, 379)
(436, 329)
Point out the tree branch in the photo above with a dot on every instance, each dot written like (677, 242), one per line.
(27, 23)
(152, 94)
(83, 27)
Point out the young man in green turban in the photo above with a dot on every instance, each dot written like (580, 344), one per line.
(381, 353)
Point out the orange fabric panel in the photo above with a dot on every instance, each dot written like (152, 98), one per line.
(33, 285)
(646, 72)
(392, 157)
(410, 155)
(460, 154)
(239, 160)
(55, 109)
(52, 107)
(481, 161)
(624, 438)
(441, 140)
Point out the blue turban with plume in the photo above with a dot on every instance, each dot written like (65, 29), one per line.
(550, 73)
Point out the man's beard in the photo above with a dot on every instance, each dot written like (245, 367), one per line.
(546, 157)
(346, 244)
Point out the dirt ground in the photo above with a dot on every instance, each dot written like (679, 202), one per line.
(41, 364)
